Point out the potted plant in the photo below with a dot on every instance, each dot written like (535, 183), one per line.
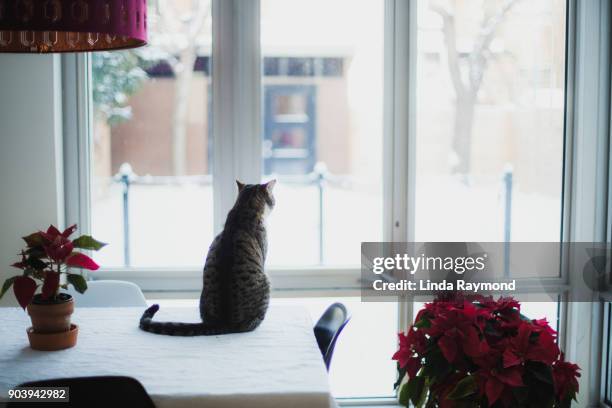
(47, 256)
(478, 352)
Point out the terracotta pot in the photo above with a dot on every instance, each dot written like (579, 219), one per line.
(51, 328)
(53, 341)
(51, 316)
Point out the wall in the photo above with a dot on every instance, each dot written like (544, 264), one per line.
(31, 177)
(145, 141)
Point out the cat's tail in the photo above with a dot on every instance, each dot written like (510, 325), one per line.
(176, 328)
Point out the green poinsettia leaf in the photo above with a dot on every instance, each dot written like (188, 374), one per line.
(404, 398)
(423, 323)
(7, 285)
(540, 371)
(33, 240)
(435, 367)
(36, 252)
(412, 391)
(88, 242)
(35, 263)
(401, 373)
(464, 388)
(78, 281)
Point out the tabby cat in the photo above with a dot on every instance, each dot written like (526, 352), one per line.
(236, 289)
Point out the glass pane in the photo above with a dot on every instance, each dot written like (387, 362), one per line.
(490, 99)
(152, 183)
(361, 364)
(322, 136)
(608, 343)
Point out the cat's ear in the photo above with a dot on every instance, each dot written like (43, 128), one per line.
(270, 185)
(240, 185)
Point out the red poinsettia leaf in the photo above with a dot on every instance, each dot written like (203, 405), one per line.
(402, 356)
(522, 338)
(50, 285)
(413, 366)
(545, 350)
(24, 288)
(493, 390)
(511, 359)
(448, 347)
(19, 265)
(511, 376)
(53, 231)
(64, 250)
(472, 345)
(542, 325)
(80, 260)
(68, 231)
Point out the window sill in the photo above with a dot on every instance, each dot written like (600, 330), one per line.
(177, 282)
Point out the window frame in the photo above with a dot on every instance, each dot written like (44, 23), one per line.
(237, 92)
(236, 22)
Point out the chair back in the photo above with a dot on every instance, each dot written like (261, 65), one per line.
(103, 391)
(109, 293)
(328, 328)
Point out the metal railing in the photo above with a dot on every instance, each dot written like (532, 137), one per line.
(320, 177)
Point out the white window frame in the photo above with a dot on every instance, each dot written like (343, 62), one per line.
(586, 207)
(587, 177)
(237, 146)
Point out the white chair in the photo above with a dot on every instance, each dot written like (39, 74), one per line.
(109, 293)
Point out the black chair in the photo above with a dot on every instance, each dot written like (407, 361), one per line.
(103, 391)
(328, 328)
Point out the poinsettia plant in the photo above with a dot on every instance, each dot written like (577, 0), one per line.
(478, 352)
(49, 254)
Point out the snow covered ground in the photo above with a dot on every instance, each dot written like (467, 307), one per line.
(172, 225)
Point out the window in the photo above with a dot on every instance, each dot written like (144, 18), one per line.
(607, 353)
(162, 179)
(152, 146)
(482, 97)
(323, 130)
(490, 76)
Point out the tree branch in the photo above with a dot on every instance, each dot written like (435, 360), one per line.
(452, 54)
(478, 57)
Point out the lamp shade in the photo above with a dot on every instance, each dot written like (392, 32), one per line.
(39, 26)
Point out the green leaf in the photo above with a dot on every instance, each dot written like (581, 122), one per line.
(78, 281)
(436, 367)
(404, 398)
(465, 387)
(423, 323)
(413, 390)
(541, 372)
(6, 286)
(401, 373)
(88, 242)
(420, 401)
(33, 240)
(35, 263)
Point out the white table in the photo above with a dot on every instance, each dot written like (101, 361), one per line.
(277, 365)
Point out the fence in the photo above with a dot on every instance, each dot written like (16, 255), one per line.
(320, 177)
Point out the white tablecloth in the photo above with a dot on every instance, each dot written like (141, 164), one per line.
(277, 365)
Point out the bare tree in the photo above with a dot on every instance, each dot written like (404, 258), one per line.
(182, 23)
(466, 85)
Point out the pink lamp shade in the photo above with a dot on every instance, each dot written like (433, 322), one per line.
(39, 26)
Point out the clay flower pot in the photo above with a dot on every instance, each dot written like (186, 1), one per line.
(51, 328)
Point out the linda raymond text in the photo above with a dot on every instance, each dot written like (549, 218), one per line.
(444, 285)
